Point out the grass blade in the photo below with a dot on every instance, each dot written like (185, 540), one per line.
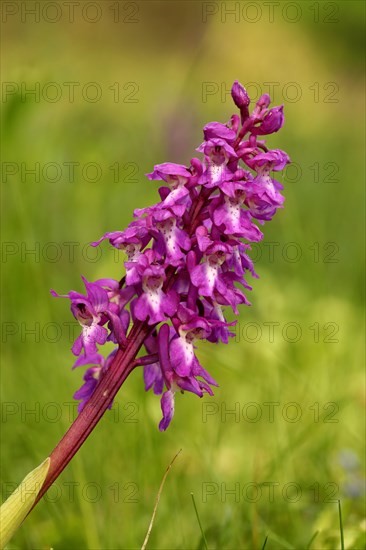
(157, 501)
(199, 521)
(341, 524)
(265, 542)
(311, 540)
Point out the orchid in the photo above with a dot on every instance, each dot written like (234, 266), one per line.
(185, 257)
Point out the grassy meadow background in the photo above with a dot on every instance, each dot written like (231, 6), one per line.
(282, 439)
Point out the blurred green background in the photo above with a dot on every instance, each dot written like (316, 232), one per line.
(119, 87)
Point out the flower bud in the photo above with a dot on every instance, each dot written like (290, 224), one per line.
(241, 99)
(271, 123)
(239, 95)
(263, 101)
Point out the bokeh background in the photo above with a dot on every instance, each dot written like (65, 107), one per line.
(119, 87)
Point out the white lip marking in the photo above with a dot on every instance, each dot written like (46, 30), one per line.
(234, 213)
(211, 272)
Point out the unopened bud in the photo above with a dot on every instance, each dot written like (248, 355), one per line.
(271, 123)
(263, 101)
(239, 95)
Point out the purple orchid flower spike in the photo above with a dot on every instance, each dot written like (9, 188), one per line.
(187, 262)
(186, 256)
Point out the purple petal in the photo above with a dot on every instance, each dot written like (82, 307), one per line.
(218, 130)
(93, 359)
(181, 356)
(153, 377)
(170, 303)
(77, 346)
(167, 408)
(190, 384)
(97, 295)
(163, 171)
(204, 276)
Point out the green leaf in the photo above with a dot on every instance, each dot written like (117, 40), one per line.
(18, 505)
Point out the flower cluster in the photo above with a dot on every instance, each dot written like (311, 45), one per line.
(187, 257)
